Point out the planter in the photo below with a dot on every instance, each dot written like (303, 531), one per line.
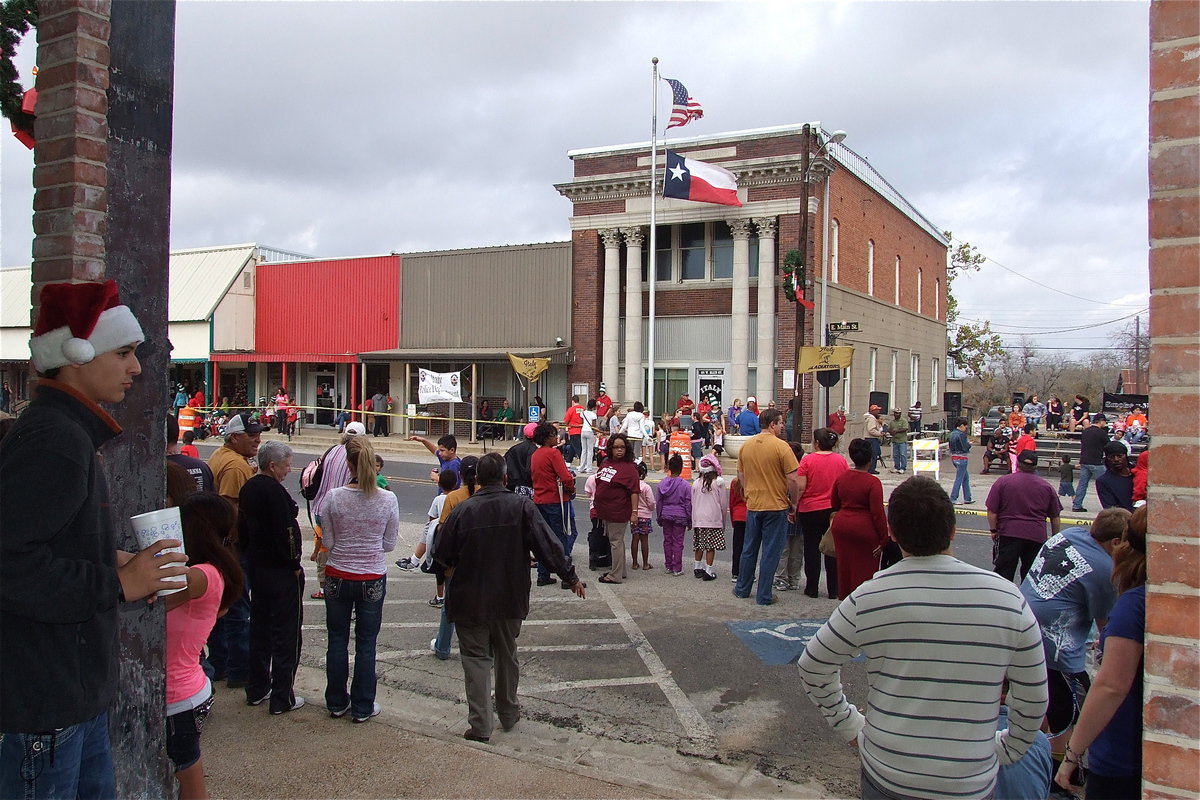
(733, 444)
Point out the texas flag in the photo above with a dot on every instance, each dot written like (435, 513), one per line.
(689, 179)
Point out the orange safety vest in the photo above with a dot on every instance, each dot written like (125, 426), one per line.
(680, 444)
(187, 420)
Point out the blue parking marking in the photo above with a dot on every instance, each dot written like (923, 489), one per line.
(778, 642)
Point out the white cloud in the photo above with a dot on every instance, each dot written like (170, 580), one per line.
(366, 127)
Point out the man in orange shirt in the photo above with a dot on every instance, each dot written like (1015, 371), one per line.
(1136, 425)
(767, 471)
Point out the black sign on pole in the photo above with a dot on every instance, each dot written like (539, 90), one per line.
(842, 327)
(829, 378)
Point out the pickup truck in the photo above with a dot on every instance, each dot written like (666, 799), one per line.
(989, 421)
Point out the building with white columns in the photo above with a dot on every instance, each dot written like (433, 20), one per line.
(722, 323)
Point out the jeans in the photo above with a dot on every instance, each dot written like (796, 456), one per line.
(553, 514)
(363, 599)
(229, 642)
(900, 456)
(441, 645)
(71, 762)
(876, 452)
(1087, 473)
(961, 480)
(341, 419)
(765, 531)
(575, 448)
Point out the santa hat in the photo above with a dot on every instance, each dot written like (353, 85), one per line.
(76, 321)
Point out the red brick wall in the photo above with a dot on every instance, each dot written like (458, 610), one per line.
(70, 174)
(587, 277)
(1171, 743)
(863, 216)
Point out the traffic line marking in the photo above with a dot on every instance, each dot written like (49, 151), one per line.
(693, 723)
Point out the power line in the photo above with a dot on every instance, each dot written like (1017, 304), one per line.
(1059, 330)
(1046, 286)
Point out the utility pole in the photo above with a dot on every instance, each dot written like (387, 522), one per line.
(798, 283)
(1137, 353)
(137, 245)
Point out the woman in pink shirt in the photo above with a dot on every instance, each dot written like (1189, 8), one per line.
(214, 582)
(818, 472)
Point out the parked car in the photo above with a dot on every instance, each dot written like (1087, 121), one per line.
(989, 421)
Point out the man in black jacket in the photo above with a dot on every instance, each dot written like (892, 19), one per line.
(487, 540)
(61, 576)
(1091, 456)
(517, 461)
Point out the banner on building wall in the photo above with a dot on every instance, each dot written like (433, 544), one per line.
(816, 359)
(438, 387)
(529, 368)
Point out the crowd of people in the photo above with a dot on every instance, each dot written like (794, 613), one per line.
(916, 613)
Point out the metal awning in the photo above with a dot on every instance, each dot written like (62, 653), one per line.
(559, 355)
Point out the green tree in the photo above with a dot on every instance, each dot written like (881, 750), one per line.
(968, 346)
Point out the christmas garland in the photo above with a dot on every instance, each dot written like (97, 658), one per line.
(793, 273)
(16, 17)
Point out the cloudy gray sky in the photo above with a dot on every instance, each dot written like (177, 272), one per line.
(351, 128)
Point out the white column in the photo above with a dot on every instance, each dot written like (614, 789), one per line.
(633, 315)
(766, 308)
(610, 337)
(739, 367)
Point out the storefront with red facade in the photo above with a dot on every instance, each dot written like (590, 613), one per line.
(312, 319)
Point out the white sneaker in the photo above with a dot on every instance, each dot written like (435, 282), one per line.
(299, 703)
(374, 713)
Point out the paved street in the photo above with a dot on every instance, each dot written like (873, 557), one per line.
(670, 683)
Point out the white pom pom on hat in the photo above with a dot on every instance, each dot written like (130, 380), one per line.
(76, 321)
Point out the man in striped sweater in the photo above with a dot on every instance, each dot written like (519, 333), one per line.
(940, 636)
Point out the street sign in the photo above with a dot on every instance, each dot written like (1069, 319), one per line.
(842, 327)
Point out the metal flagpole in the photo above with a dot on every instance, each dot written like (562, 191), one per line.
(652, 256)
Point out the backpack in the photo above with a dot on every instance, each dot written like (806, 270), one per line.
(310, 477)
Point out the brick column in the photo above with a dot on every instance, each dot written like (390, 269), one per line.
(70, 174)
(1171, 742)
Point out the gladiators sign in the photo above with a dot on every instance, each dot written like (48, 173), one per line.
(818, 359)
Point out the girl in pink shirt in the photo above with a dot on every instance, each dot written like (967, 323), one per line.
(214, 582)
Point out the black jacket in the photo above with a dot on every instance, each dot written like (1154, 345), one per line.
(517, 460)
(267, 528)
(58, 579)
(487, 539)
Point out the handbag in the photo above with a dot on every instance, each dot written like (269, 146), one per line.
(826, 544)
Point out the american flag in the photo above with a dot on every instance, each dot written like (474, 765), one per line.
(684, 108)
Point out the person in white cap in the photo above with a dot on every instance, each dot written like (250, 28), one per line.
(62, 574)
(229, 641)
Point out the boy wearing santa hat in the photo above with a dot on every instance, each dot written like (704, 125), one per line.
(61, 572)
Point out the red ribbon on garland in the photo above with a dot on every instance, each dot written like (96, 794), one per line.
(800, 299)
(28, 104)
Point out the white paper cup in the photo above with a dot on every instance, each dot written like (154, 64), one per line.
(154, 526)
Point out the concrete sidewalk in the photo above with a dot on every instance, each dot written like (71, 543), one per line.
(407, 752)
(250, 754)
